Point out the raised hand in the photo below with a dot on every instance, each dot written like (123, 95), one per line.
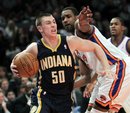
(84, 20)
(85, 14)
(88, 90)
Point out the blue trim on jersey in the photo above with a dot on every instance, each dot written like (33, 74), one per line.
(113, 61)
(118, 81)
(128, 51)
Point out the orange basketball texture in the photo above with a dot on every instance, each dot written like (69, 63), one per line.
(27, 64)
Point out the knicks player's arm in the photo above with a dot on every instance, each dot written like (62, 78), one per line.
(87, 78)
(82, 24)
(85, 73)
(76, 43)
(83, 29)
(90, 86)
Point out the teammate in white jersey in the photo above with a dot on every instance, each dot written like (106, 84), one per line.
(112, 92)
(118, 37)
(120, 40)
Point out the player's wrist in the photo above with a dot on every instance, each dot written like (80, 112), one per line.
(84, 26)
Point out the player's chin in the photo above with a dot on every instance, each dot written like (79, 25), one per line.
(68, 27)
(113, 33)
(53, 35)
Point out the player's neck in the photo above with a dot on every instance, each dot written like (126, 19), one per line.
(116, 40)
(51, 42)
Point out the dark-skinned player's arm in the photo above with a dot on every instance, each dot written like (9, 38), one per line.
(82, 24)
(84, 77)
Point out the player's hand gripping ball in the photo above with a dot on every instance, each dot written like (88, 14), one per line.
(27, 64)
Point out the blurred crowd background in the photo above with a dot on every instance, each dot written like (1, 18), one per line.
(17, 30)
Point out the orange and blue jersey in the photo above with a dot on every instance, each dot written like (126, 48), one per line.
(123, 45)
(114, 56)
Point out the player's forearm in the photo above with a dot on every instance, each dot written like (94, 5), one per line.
(80, 82)
(94, 79)
(83, 26)
(102, 57)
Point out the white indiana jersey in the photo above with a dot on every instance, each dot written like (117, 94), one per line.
(123, 45)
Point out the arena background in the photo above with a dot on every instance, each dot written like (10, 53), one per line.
(17, 28)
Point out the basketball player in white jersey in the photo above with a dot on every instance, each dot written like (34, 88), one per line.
(112, 92)
(120, 40)
(118, 37)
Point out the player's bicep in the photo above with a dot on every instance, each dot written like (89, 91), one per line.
(76, 43)
(84, 45)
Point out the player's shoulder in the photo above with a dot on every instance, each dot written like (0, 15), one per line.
(33, 44)
(127, 40)
(32, 48)
(72, 42)
(71, 37)
(126, 37)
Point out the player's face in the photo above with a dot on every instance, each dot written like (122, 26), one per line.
(116, 28)
(48, 26)
(68, 20)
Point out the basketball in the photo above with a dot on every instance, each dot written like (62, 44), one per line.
(27, 64)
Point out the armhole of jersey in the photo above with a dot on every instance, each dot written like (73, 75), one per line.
(127, 46)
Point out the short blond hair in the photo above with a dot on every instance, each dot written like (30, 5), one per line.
(40, 16)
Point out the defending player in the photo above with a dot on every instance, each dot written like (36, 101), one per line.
(111, 92)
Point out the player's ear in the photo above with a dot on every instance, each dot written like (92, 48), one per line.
(124, 28)
(39, 29)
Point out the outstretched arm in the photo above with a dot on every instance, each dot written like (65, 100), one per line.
(76, 43)
(85, 75)
(89, 87)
